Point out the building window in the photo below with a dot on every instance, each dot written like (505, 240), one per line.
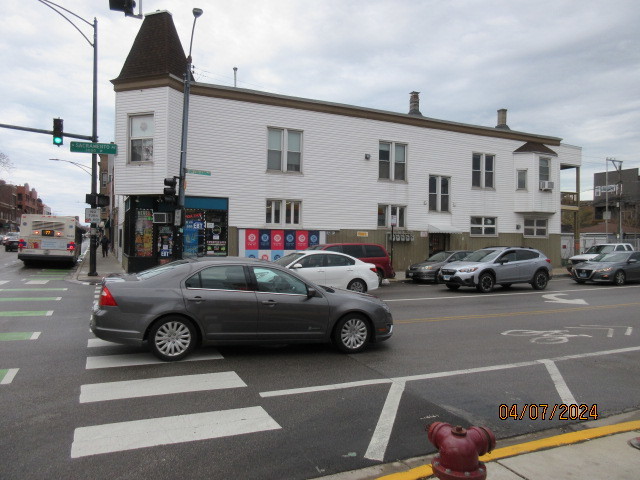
(439, 193)
(482, 170)
(389, 215)
(521, 180)
(535, 227)
(289, 210)
(282, 140)
(545, 169)
(141, 130)
(483, 226)
(398, 160)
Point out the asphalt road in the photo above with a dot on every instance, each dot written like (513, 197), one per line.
(76, 407)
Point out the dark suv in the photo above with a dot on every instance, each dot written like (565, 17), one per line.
(485, 268)
(367, 252)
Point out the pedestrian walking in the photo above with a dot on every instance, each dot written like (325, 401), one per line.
(104, 241)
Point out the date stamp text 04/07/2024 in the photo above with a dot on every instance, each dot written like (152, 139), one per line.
(547, 411)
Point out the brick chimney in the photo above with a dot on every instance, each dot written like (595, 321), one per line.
(414, 104)
(502, 119)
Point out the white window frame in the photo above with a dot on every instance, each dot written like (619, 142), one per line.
(525, 178)
(486, 224)
(536, 227)
(286, 144)
(484, 171)
(283, 212)
(544, 171)
(386, 211)
(398, 153)
(146, 155)
(436, 206)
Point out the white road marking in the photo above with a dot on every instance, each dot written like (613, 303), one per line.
(98, 392)
(116, 437)
(35, 335)
(98, 342)
(134, 359)
(2, 282)
(561, 386)
(553, 298)
(324, 388)
(10, 375)
(37, 282)
(382, 434)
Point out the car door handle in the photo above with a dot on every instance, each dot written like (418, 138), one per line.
(270, 303)
(196, 299)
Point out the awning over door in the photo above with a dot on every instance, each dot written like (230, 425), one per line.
(442, 228)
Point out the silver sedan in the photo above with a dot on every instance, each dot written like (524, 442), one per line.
(179, 305)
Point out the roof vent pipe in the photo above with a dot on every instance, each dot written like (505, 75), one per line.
(414, 104)
(502, 119)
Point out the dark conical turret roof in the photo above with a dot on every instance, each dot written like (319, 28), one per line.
(156, 50)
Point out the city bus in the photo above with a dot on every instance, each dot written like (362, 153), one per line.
(49, 238)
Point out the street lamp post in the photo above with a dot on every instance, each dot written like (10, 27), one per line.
(84, 168)
(197, 12)
(94, 131)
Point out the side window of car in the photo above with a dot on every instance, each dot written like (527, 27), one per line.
(353, 250)
(271, 280)
(508, 257)
(527, 255)
(373, 251)
(338, 261)
(311, 261)
(334, 248)
(222, 277)
(635, 256)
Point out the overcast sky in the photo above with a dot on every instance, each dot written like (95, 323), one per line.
(569, 69)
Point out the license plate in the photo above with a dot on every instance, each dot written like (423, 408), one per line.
(582, 274)
(446, 277)
(409, 274)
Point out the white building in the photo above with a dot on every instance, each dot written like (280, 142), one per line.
(271, 167)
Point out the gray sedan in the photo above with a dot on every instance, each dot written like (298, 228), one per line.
(428, 270)
(176, 306)
(617, 268)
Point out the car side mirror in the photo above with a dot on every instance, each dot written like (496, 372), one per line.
(632, 260)
(312, 292)
(297, 265)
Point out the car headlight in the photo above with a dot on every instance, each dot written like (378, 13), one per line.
(606, 269)
(426, 268)
(468, 269)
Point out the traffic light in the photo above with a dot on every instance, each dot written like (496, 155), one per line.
(58, 133)
(170, 189)
(125, 6)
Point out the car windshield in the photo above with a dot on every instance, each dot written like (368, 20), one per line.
(438, 257)
(612, 257)
(287, 259)
(600, 249)
(482, 255)
(152, 272)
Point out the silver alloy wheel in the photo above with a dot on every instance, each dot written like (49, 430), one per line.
(485, 283)
(173, 339)
(619, 278)
(354, 333)
(357, 285)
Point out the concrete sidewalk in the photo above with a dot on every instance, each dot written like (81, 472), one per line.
(104, 266)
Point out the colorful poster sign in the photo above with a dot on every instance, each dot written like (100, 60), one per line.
(251, 240)
(302, 240)
(265, 240)
(277, 239)
(289, 239)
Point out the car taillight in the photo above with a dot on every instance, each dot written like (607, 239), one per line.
(548, 260)
(21, 244)
(71, 246)
(374, 270)
(106, 299)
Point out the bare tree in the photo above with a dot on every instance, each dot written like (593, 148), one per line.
(5, 163)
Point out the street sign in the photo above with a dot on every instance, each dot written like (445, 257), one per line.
(89, 147)
(92, 215)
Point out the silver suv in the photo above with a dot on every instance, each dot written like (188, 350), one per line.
(504, 266)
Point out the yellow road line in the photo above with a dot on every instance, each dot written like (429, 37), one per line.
(514, 314)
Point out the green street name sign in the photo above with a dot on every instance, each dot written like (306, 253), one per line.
(89, 147)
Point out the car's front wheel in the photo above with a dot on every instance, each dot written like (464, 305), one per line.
(485, 283)
(172, 338)
(619, 278)
(540, 280)
(352, 333)
(357, 285)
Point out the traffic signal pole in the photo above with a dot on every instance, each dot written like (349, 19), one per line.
(93, 245)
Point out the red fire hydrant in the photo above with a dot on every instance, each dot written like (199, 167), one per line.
(459, 449)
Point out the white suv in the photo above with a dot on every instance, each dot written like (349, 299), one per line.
(485, 268)
(596, 250)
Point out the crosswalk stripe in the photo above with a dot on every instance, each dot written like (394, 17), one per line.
(27, 313)
(37, 282)
(9, 336)
(31, 299)
(134, 359)
(149, 387)
(50, 289)
(115, 437)
(7, 375)
(98, 342)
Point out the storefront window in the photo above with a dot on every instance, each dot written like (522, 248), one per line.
(144, 233)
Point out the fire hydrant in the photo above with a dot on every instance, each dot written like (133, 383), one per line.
(459, 449)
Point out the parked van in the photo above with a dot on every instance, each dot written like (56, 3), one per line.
(367, 252)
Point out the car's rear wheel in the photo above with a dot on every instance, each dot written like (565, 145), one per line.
(172, 338)
(485, 283)
(619, 278)
(352, 333)
(357, 285)
(540, 280)
(380, 277)
(452, 286)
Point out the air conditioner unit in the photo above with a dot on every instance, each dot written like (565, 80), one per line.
(161, 217)
(546, 185)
